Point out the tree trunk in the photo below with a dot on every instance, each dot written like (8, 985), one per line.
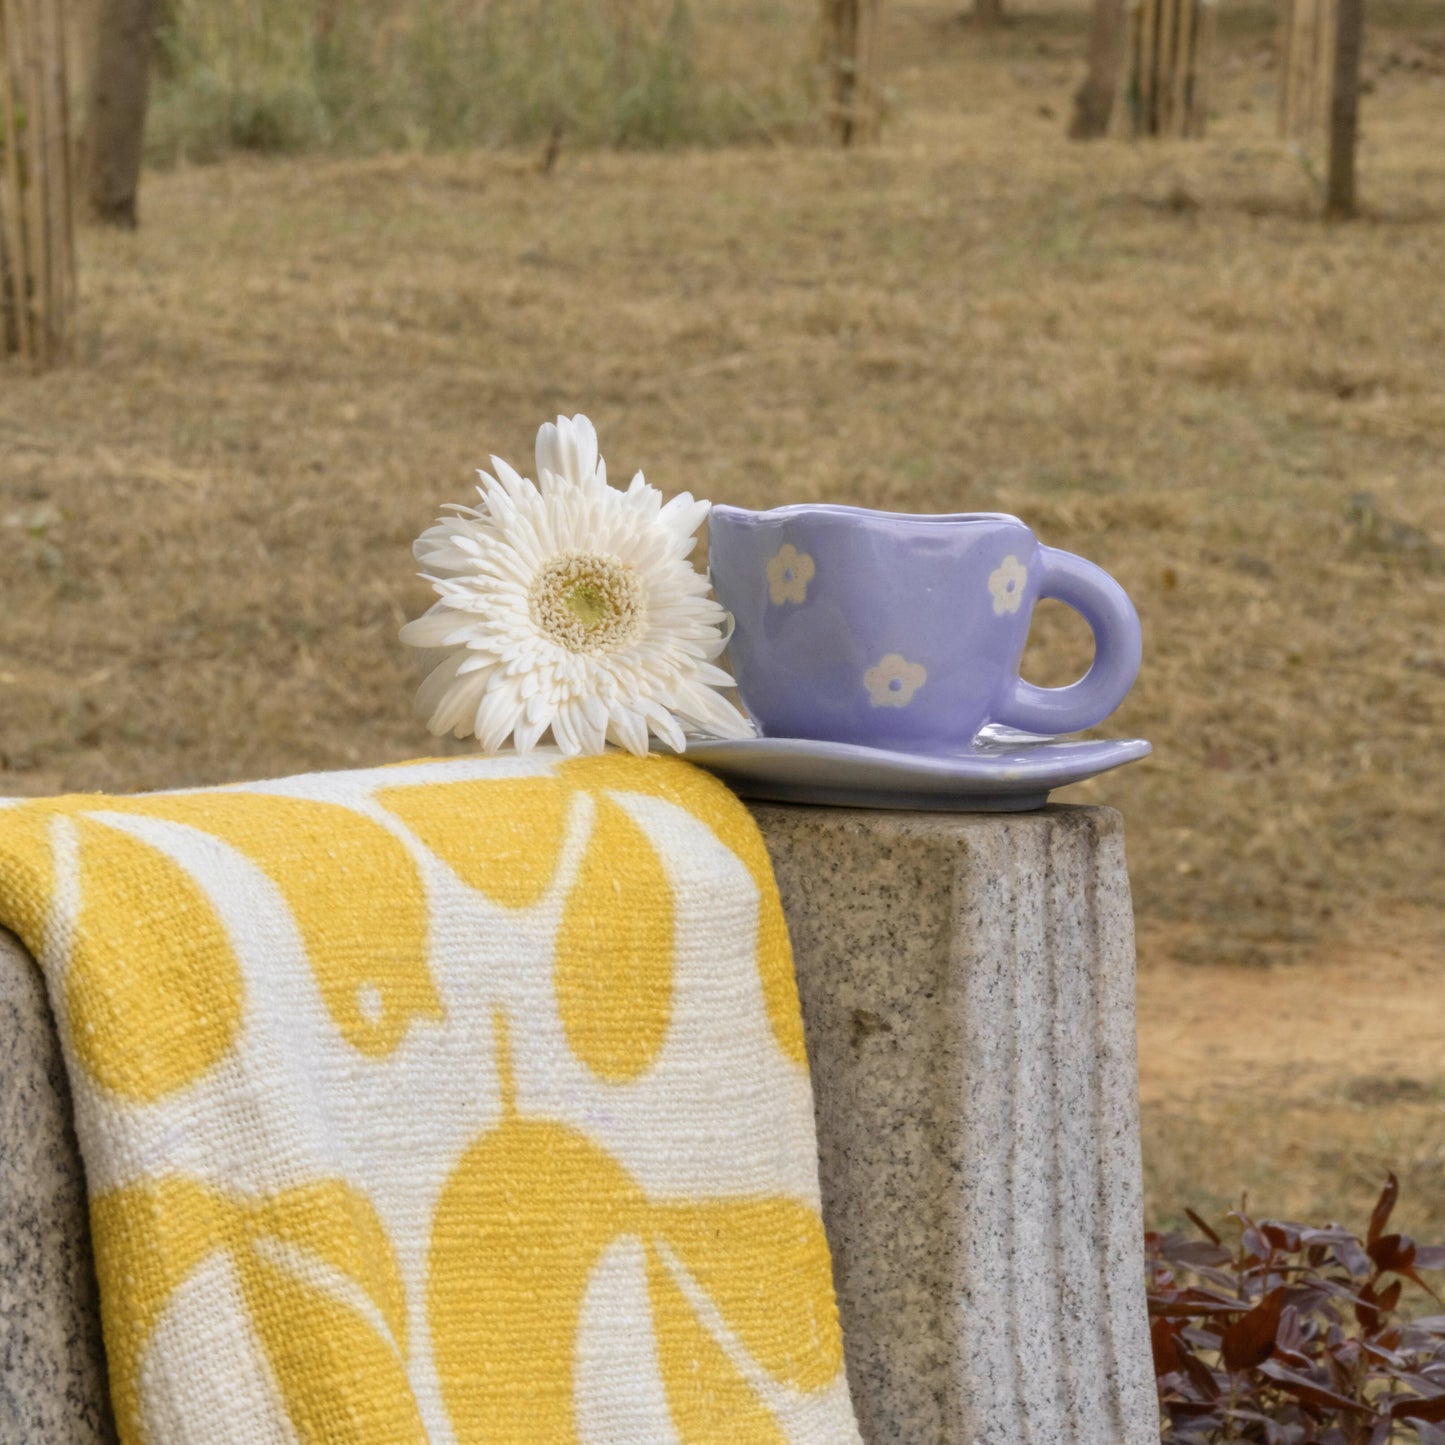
(1340, 202)
(1094, 99)
(116, 115)
(839, 42)
(988, 12)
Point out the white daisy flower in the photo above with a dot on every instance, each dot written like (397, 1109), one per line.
(570, 605)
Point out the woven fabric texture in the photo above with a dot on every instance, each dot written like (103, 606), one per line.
(461, 1101)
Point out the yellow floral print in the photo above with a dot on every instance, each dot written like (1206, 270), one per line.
(505, 1252)
(144, 927)
(341, 1381)
(614, 963)
(134, 1024)
(522, 1222)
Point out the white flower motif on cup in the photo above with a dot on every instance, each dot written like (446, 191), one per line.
(789, 573)
(1006, 582)
(894, 681)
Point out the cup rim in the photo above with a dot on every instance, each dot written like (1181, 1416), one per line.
(838, 509)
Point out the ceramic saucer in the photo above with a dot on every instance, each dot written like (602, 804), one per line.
(1002, 771)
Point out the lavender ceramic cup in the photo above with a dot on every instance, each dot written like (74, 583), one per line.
(905, 632)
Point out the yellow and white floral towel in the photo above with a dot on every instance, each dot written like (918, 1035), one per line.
(462, 1101)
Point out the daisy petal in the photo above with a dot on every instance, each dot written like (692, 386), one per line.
(664, 725)
(628, 730)
(712, 713)
(589, 725)
(585, 441)
(567, 739)
(524, 737)
(496, 715)
(436, 628)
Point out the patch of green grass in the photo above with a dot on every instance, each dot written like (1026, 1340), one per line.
(271, 76)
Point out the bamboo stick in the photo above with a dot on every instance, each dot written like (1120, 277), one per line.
(1329, 48)
(1193, 125)
(1290, 67)
(42, 178)
(870, 22)
(1168, 33)
(35, 196)
(1183, 43)
(1136, 66)
(40, 175)
(1148, 17)
(11, 59)
(1156, 65)
(11, 266)
(56, 142)
(1285, 33)
(1304, 59)
(67, 179)
(1208, 17)
(1321, 52)
(1309, 64)
(1295, 74)
(1183, 61)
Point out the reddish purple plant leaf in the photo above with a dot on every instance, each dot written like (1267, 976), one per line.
(1384, 1207)
(1280, 1234)
(1187, 1302)
(1203, 1228)
(1304, 1388)
(1392, 1251)
(1431, 1409)
(1352, 1257)
(1249, 1341)
(1295, 1338)
(1395, 1253)
(1167, 1355)
(1367, 1309)
(1200, 1375)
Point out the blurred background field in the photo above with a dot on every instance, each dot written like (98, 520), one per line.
(368, 75)
(357, 276)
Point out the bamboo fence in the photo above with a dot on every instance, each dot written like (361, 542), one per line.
(1171, 52)
(1307, 63)
(37, 221)
(852, 37)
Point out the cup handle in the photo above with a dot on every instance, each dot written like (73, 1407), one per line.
(1118, 646)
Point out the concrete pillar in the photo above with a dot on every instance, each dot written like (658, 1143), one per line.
(968, 998)
(52, 1363)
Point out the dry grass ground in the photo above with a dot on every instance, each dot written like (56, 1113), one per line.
(1154, 353)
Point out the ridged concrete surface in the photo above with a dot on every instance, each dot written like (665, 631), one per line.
(968, 995)
(52, 1364)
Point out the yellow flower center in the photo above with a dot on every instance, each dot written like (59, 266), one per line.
(587, 602)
